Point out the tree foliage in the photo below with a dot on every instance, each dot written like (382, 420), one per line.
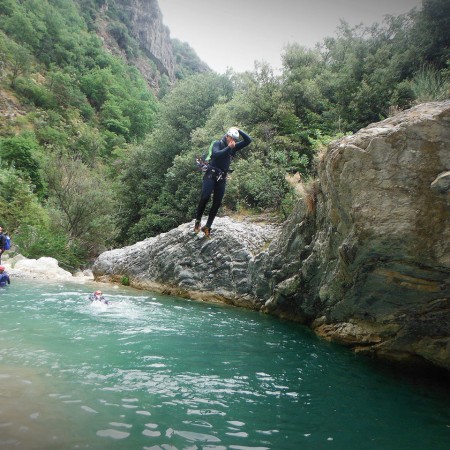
(22, 206)
(92, 158)
(145, 175)
(23, 153)
(71, 187)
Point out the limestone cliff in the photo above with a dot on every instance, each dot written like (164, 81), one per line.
(146, 25)
(364, 260)
(144, 22)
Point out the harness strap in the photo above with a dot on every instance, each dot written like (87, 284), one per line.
(219, 173)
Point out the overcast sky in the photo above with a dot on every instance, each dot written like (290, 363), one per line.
(236, 33)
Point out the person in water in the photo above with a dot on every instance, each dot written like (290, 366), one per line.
(4, 277)
(97, 296)
(215, 177)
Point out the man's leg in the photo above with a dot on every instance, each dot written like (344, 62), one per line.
(219, 192)
(207, 189)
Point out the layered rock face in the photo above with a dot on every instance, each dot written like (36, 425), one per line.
(188, 265)
(146, 25)
(370, 266)
(364, 260)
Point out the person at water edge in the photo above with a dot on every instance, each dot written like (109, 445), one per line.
(4, 277)
(215, 177)
(97, 296)
(2, 243)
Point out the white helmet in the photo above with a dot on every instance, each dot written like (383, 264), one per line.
(233, 132)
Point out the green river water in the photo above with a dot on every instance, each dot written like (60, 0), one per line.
(156, 372)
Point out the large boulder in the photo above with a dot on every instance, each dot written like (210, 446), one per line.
(44, 268)
(368, 264)
(188, 265)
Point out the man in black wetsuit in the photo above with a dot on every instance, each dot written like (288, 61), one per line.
(215, 177)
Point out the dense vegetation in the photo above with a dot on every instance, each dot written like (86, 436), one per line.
(94, 158)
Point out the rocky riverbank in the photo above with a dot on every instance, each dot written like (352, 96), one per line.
(184, 264)
(364, 259)
(44, 268)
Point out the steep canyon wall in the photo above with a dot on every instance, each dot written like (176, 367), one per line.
(146, 25)
(143, 21)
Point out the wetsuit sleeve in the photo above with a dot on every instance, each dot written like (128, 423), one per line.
(217, 151)
(246, 141)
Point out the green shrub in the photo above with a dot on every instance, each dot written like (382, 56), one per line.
(22, 152)
(37, 241)
(21, 205)
(256, 185)
(430, 85)
(35, 93)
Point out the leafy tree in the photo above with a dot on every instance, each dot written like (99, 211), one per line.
(65, 90)
(83, 203)
(21, 28)
(30, 223)
(89, 144)
(430, 37)
(7, 7)
(302, 69)
(188, 104)
(143, 192)
(96, 85)
(21, 205)
(112, 118)
(34, 93)
(164, 86)
(19, 62)
(120, 33)
(140, 109)
(354, 79)
(256, 185)
(22, 153)
(125, 107)
(269, 114)
(35, 241)
(187, 61)
(51, 131)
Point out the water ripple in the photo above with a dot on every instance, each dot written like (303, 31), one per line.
(155, 372)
